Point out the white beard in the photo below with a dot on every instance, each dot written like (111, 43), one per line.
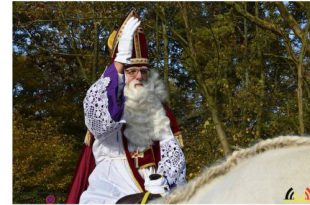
(146, 119)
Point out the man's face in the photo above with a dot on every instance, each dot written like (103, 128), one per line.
(138, 73)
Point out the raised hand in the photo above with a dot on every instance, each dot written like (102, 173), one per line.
(126, 41)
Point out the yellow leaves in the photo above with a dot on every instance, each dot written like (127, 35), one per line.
(42, 158)
(235, 137)
(207, 123)
(221, 150)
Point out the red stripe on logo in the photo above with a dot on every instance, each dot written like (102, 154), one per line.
(307, 192)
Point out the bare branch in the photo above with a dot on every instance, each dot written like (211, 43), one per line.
(174, 33)
(260, 22)
(289, 19)
(74, 47)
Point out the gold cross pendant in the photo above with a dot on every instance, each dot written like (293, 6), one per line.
(136, 155)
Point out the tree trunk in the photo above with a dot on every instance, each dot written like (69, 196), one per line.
(301, 34)
(74, 43)
(299, 98)
(157, 39)
(244, 123)
(245, 54)
(220, 131)
(196, 72)
(166, 56)
(262, 80)
(95, 61)
(300, 82)
(300, 75)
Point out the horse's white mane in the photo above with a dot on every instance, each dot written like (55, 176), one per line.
(185, 193)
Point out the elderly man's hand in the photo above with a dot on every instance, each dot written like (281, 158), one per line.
(126, 40)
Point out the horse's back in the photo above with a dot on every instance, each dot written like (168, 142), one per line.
(264, 178)
(268, 172)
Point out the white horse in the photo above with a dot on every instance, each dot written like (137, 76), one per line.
(272, 171)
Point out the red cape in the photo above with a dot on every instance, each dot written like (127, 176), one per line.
(86, 164)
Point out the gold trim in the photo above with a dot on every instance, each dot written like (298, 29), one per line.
(111, 40)
(153, 156)
(178, 136)
(120, 31)
(87, 138)
(134, 178)
(131, 173)
(139, 61)
(137, 45)
(135, 152)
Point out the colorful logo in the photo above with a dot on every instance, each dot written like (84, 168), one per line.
(307, 193)
(50, 199)
(289, 194)
(292, 197)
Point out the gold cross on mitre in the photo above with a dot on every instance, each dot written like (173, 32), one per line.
(136, 155)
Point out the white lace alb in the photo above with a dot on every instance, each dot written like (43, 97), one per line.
(97, 117)
(172, 164)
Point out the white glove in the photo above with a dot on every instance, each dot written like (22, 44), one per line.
(156, 184)
(126, 40)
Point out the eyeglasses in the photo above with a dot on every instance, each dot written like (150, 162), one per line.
(134, 71)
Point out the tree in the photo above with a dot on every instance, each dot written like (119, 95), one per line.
(296, 53)
(231, 68)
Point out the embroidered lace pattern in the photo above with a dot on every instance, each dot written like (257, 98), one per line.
(97, 116)
(172, 163)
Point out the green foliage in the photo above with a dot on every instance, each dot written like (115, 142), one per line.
(246, 69)
(42, 159)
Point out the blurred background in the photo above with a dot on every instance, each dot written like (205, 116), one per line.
(236, 73)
